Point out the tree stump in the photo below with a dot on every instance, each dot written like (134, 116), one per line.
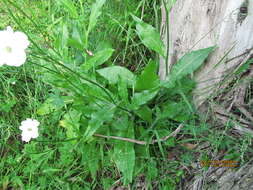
(228, 24)
(196, 24)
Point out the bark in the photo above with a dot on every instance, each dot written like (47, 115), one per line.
(228, 24)
(196, 24)
(223, 179)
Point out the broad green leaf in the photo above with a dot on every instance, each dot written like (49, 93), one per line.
(91, 158)
(65, 158)
(145, 113)
(142, 153)
(177, 111)
(170, 142)
(47, 107)
(149, 36)
(97, 119)
(70, 7)
(243, 67)
(184, 85)
(54, 103)
(77, 37)
(120, 124)
(124, 156)
(6, 106)
(105, 44)
(107, 182)
(95, 13)
(71, 123)
(123, 91)
(187, 65)
(61, 41)
(143, 97)
(92, 91)
(148, 78)
(76, 40)
(171, 110)
(114, 73)
(98, 59)
(152, 170)
(74, 43)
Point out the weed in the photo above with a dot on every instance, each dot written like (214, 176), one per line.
(91, 80)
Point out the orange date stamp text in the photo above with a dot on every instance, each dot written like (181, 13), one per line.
(219, 163)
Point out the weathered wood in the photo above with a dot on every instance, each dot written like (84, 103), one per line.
(228, 24)
(196, 24)
(223, 178)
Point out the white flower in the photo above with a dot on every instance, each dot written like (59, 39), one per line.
(12, 47)
(29, 129)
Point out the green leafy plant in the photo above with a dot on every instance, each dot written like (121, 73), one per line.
(103, 96)
(111, 117)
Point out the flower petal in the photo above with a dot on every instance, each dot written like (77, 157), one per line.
(12, 47)
(35, 134)
(16, 59)
(22, 40)
(9, 29)
(29, 129)
(26, 137)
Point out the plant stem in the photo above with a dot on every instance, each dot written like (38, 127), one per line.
(168, 39)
